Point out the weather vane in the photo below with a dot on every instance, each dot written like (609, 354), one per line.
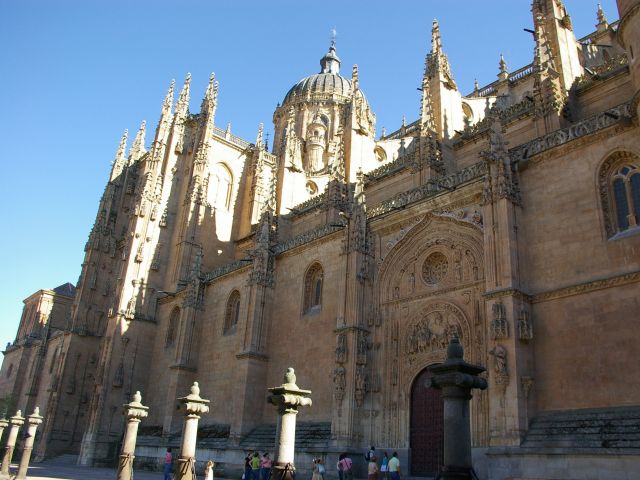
(334, 34)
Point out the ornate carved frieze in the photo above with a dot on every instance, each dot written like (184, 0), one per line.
(578, 130)
(434, 331)
(225, 269)
(431, 189)
(307, 237)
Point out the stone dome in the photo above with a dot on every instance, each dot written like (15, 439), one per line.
(328, 84)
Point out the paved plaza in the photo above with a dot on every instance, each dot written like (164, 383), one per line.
(38, 471)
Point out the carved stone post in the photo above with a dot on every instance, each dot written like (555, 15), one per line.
(33, 421)
(4, 423)
(287, 398)
(16, 422)
(134, 412)
(456, 378)
(195, 406)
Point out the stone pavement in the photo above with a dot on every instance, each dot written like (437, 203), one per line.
(41, 471)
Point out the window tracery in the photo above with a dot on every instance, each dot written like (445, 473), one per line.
(619, 180)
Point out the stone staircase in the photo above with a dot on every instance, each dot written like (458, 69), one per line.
(606, 428)
(309, 436)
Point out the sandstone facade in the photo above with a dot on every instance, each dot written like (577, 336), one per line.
(508, 217)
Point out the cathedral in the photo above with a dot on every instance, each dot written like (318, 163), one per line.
(508, 216)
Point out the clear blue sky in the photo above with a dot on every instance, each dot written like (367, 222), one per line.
(75, 74)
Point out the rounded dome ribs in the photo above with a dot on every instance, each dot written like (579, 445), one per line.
(321, 86)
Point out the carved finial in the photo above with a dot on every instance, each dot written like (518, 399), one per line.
(404, 121)
(290, 377)
(183, 100)
(120, 154)
(137, 398)
(602, 19)
(330, 63)
(455, 351)
(36, 411)
(195, 389)
(354, 78)
(503, 74)
(384, 133)
(436, 40)
(228, 130)
(19, 413)
(476, 86)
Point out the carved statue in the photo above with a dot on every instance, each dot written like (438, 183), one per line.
(341, 348)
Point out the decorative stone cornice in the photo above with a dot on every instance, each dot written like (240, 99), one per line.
(613, 116)
(431, 189)
(616, 65)
(225, 269)
(307, 237)
(586, 287)
(507, 292)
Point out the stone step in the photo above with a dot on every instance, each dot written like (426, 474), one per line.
(592, 428)
(62, 460)
(308, 435)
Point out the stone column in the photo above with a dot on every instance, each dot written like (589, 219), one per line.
(456, 378)
(287, 398)
(4, 423)
(194, 406)
(134, 412)
(16, 422)
(33, 421)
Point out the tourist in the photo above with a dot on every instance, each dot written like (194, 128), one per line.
(265, 466)
(255, 466)
(372, 468)
(168, 461)
(208, 470)
(344, 465)
(247, 467)
(394, 466)
(316, 470)
(384, 465)
(370, 453)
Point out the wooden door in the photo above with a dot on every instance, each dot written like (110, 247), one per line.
(427, 433)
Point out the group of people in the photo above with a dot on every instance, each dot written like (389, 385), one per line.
(168, 467)
(257, 468)
(389, 467)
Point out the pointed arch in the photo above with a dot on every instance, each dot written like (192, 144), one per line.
(312, 293)
(224, 187)
(619, 188)
(232, 312)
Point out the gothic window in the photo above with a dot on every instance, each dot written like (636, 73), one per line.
(224, 179)
(232, 312)
(620, 192)
(172, 329)
(313, 288)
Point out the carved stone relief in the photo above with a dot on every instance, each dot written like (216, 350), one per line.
(499, 323)
(525, 326)
(341, 348)
(500, 369)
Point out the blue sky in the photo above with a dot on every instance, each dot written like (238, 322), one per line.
(75, 74)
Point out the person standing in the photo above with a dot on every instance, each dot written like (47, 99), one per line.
(168, 462)
(394, 467)
(384, 465)
(255, 466)
(316, 470)
(370, 453)
(247, 467)
(372, 468)
(265, 466)
(345, 464)
(208, 470)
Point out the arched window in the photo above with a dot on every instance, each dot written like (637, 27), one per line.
(172, 329)
(224, 179)
(620, 191)
(232, 312)
(313, 288)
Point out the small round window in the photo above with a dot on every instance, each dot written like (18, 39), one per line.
(434, 268)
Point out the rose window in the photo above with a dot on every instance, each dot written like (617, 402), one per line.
(434, 268)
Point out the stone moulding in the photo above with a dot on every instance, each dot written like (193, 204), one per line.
(398, 165)
(409, 197)
(308, 205)
(578, 130)
(586, 287)
(225, 269)
(306, 237)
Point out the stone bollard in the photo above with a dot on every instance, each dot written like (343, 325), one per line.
(4, 423)
(134, 412)
(16, 422)
(195, 406)
(456, 378)
(287, 398)
(33, 421)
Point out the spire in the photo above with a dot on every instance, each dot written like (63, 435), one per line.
(210, 100)
(602, 20)
(120, 160)
(355, 83)
(168, 100)
(259, 138)
(182, 107)
(504, 73)
(330, 63)
(162, 130)
(137, 149)
(437, 63)
(427, 120)
(476, 87)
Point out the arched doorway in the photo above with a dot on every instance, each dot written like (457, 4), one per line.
(426, 428)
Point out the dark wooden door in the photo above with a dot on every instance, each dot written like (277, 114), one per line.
(427, 434)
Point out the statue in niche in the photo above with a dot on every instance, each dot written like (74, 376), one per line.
(362, 348)
(499, 354)
(499, 325)
(525, 327)
(339, 383)
(361, 385)
(341, 348)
